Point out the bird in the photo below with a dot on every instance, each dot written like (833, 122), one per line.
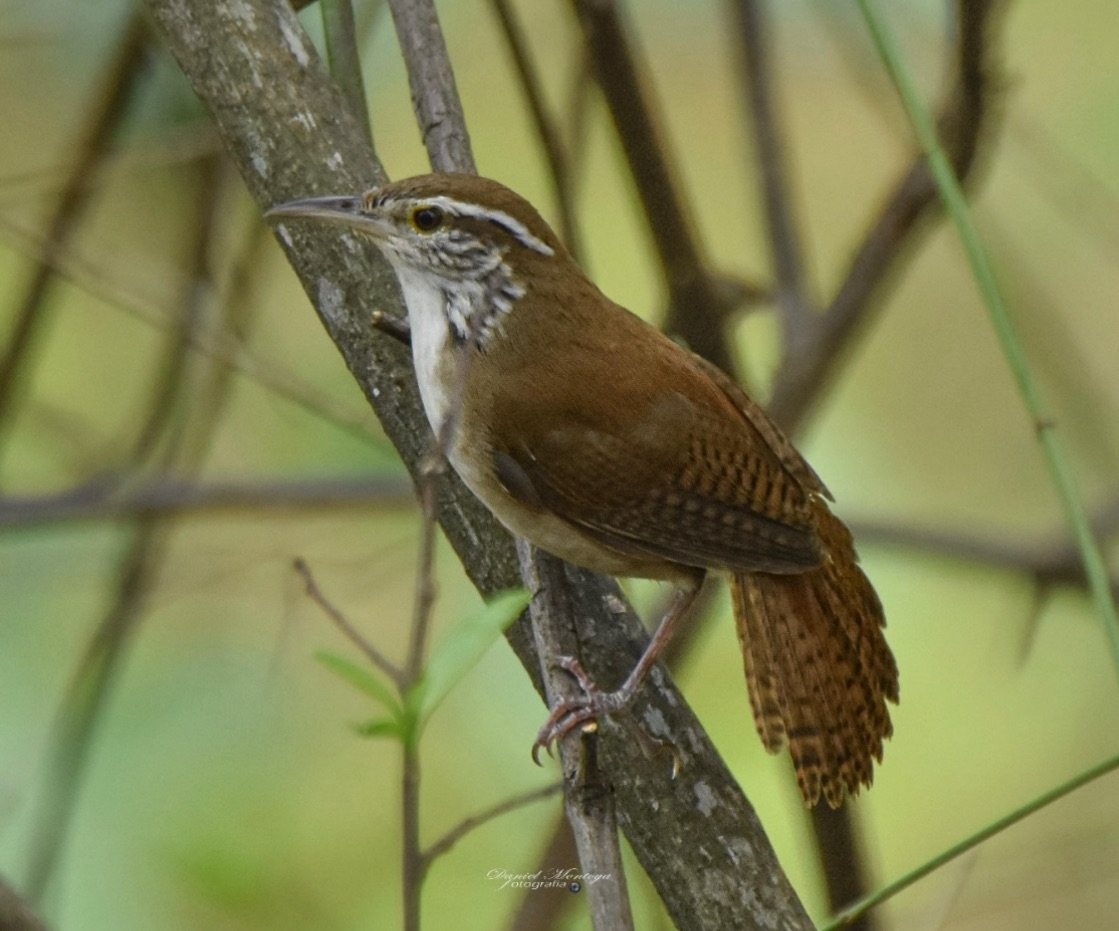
(594, 436)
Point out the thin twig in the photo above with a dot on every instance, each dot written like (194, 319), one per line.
(237, 310)
(151, 310)
(102, 499)
(806, 375)
(175, 146)
(343, 623)
(159, 421)
(431, 472)
(426, 589)
(121, 81)
(784, 239)
(554, 151)
(464, 827)
(699, 302)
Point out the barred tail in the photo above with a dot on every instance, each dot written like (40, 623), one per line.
(818, 668)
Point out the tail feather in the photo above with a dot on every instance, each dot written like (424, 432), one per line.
(763, 676)
(818, 669)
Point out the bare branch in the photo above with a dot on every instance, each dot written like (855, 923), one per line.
(340, 32)
(464, 827)
(824, 344)
(351, 633)
(121, 81)
(699, 302)
(434, 93)
(783, 237)
(103, 499)
(149, 310)
(554, 151)
(1051, 559)
(588, 796)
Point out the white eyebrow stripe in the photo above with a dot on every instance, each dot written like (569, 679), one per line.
(511, 225)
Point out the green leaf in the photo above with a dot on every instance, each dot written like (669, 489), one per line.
(461, 650)
(363, 680)
(380, 727)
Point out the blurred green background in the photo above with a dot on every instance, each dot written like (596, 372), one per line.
(224, 788)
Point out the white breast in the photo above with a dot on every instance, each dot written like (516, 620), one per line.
(435, 373)
(428, 324)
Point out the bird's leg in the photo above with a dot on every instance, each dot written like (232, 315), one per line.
(593, 703)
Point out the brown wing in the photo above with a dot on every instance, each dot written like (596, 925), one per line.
(670, 467)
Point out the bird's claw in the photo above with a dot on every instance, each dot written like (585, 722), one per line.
(571, 713)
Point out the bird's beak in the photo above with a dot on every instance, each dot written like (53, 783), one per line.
(347, 210)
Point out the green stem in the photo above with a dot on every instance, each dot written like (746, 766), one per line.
(852, 912)
(1060, 471)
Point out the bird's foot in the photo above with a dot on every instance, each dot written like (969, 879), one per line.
(575, 712)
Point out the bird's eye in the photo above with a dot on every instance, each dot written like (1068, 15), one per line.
(427, 219)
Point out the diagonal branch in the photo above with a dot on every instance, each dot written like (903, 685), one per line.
(121, 82)
(464, 827)
(588, 796)
(434, 94)
(559, 165)
(826, 340)
(699, 302)
(784, 240)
